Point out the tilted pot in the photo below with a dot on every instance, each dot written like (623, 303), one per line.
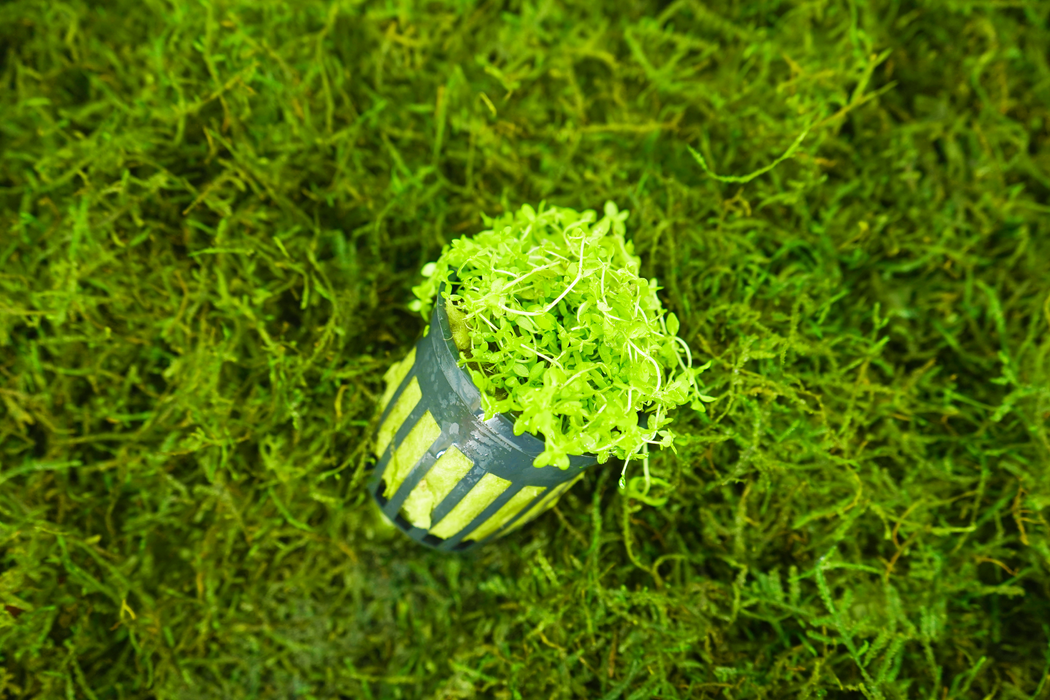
(446, 477)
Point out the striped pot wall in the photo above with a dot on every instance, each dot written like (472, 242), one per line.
(446, 477)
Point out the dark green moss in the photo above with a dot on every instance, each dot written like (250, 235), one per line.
(211, 216)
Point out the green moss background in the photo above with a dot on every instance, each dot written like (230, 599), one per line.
(211, 216)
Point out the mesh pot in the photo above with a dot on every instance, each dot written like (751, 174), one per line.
(446, 477)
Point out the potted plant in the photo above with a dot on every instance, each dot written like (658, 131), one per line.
(545, 353)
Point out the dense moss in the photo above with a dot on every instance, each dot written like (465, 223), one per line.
(211, 217)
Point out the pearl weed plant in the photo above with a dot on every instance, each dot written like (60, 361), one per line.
(558, 330)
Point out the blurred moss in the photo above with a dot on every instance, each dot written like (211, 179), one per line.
(211, 215)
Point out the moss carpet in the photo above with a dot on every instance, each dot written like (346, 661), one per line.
(211, 217)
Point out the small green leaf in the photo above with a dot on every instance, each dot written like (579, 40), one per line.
(526, 323)
(536, 373)
(672, 325)
(545, 322)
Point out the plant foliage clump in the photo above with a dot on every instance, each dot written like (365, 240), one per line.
(564, 333)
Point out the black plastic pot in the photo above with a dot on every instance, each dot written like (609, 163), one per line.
(446, 477)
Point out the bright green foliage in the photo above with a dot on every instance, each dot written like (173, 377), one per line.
(212, 214)
(564, 332)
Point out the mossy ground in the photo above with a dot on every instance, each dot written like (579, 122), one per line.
(211, 216)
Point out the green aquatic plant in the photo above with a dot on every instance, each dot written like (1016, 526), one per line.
(558, 329)
(211, 215)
